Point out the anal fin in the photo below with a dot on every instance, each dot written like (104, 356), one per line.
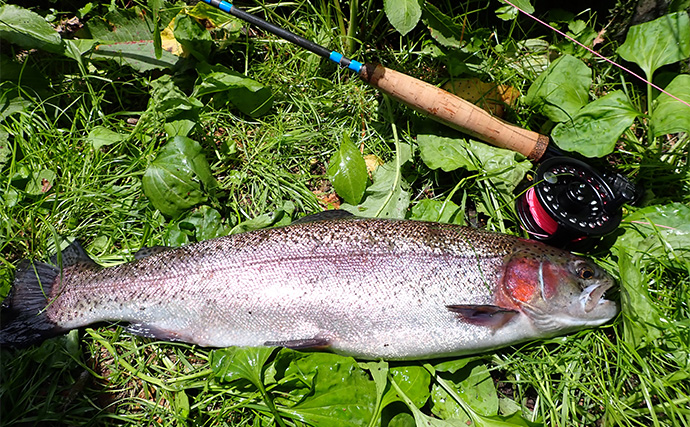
(491, 316)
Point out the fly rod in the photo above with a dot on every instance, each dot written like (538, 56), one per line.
(568, 201)
(428, 99)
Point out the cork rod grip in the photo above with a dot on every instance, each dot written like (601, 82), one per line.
(454, 111)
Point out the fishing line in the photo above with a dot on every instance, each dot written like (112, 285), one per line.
(597, 54)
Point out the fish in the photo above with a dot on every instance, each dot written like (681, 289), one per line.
(369, 288)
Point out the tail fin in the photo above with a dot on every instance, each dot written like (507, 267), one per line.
(23, 319)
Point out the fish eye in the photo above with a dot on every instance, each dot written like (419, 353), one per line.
(585, 272)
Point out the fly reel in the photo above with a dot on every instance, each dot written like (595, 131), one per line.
(570, 201)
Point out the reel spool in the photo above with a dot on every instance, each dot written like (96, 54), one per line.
(571, 201)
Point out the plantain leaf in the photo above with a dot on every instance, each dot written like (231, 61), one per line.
(249, 96)
(178, 178)
(561, 90)
(442, 27)
(670, 115)
(28, 29)
(438, 211)
(403, 14)
(240, 363)
(657, 43)
(348, 172)
(341, 392)
(595, 129)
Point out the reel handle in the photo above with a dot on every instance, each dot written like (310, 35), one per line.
(454, 111)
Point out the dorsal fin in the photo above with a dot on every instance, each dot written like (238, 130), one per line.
(144, 252)
(72, 254)
(325, 216)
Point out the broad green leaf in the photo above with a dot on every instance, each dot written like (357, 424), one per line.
(403, 14)
(438, 211)
(508, 12)
(216, 16)
(28, 29)
(342, 395)
(40, 182)
(504, 168)
(385, 198)
(140, 55)
(444, 153)
(658, 233)
(669, 115)
(420, 418)
(278, 218)
(348, 172)
(641, 317)
(657, 43)
(561, 90)
(101, 136)
(595, 129)
(206, 223)
(5, 151)
(249, 96)
(126, 37)
(193, 37)
(9, 106)
(442, 27)
(178, 178)
(169, 102)
(474, 385)
(240, 363)
(414, 381)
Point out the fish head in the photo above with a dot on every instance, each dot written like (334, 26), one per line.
(558, 291)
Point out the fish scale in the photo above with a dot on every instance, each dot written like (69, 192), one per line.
(371, 288)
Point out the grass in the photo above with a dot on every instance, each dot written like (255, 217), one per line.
(104, 376)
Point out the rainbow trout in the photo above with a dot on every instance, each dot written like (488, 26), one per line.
(370, 288)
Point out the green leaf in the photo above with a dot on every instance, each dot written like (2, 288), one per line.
(641, 318)
(474, 385)
(402, 14)
(178, 178)
(278, 218)
(442, 28)
(658, 234)
(670, 115)
(414, 381)
(5, 151)
(438, 211)
(240, 363)
(168, 102)
(28, 29)
(504, 168)
(657, 43)
(348, 172)
(140, 55)
(216, 16)
(127, 39)
(206, 223)
(249, 96)
(385, 198)
(193, 37)
(100, 136)
(444, 153)
(508, 12)
(40, 182)
(561, 90)
(342, 393)
(595, 129)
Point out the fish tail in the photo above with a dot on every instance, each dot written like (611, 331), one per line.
(23, 317)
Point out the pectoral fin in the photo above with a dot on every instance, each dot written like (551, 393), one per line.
(483, 315)
(319, 343)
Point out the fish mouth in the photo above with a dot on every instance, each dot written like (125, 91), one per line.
(593, 296)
